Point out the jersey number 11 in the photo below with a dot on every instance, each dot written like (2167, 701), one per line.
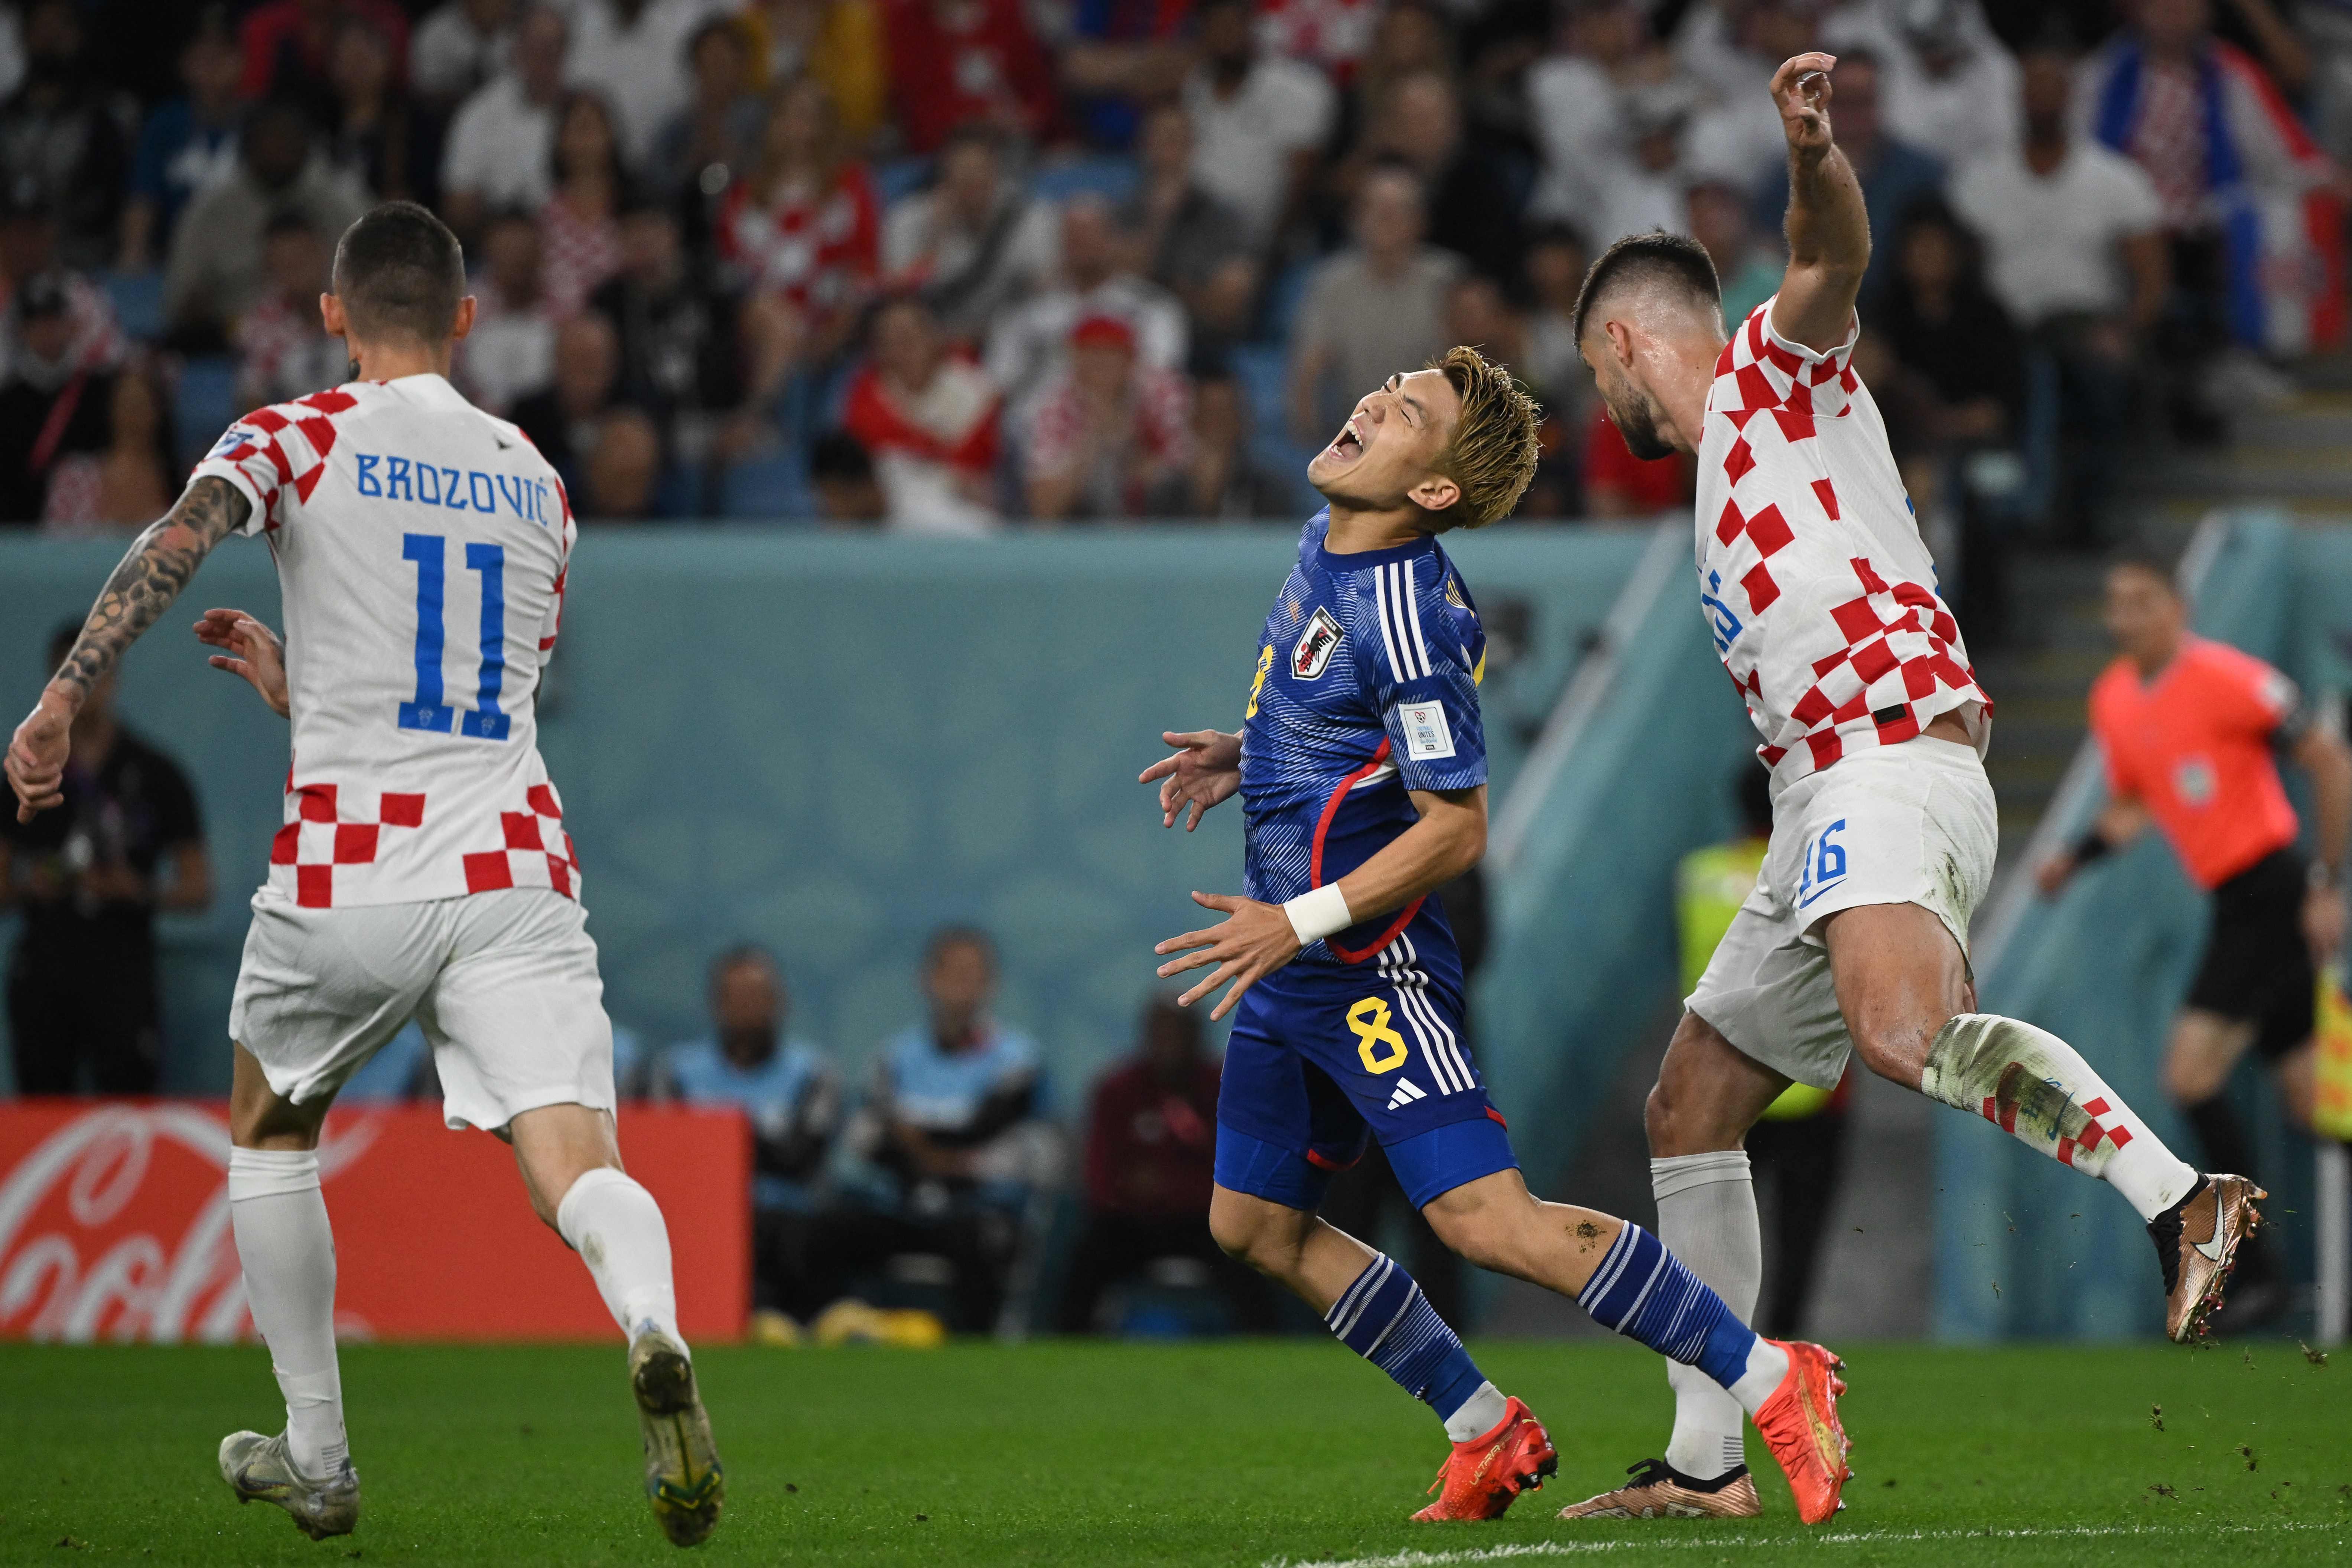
(428, 712)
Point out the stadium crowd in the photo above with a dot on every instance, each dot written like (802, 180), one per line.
(937, 265)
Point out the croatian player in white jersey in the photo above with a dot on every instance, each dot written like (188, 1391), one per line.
(422, 868)
(1822, 603)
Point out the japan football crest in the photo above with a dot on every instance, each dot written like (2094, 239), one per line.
(1312, 656)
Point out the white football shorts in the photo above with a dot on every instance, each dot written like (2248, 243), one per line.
(504, 983)
(1907, 824)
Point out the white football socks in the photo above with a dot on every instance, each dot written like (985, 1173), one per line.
(2039, 1090)
(287, 1252)
(1706, 1218)
(1768, 1366)
(1480, 1414)
(616, 1227)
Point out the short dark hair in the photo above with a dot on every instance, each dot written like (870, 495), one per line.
(742, 955)
(2138, 557)
(1674, 260)
(400, 271)
(937, 945)
(838, 455)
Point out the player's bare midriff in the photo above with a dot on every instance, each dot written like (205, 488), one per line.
(1946, 727)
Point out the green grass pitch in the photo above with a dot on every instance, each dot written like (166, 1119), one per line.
(1238, 1453)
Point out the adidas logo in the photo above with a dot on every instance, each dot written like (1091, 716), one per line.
(1407, 1091)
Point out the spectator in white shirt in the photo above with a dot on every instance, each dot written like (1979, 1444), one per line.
(632, 53)
(1259, 121)
(497, 156)
(1949, 82)
(1575, 100)
(459, 47)
(1372, 310)
(2075, 251)
(1029, 347)
(283, 350)
(975, 242)
(511, 350)
(1642, 188)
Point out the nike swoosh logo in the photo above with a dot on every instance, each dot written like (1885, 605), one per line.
(2210, 1250)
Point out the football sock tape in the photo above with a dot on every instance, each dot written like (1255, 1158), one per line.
(2038, 1089)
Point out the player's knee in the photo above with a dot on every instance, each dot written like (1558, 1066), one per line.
(1246, 1234)
(1659, 1121)
(1477, 1235)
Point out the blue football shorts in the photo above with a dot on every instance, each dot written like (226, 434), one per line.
(1323, 1060)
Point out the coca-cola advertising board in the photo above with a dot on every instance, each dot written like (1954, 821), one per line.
(114, 1225)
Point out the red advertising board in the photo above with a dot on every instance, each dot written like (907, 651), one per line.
(114, 1225)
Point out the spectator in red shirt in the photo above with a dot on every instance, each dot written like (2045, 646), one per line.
(954, 61)
(1619, 484)
(1111, 437)
(802, 227)
(930, 419)
(289, 44)
(1151, 1140)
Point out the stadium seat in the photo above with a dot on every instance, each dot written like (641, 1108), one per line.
(773, 489)
(203, 400)
(138, 301)
(1102, 174)
(898, 177)
(1264, 372)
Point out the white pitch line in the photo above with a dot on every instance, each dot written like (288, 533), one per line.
(1840, 1538)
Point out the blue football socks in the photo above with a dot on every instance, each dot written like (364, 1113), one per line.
(1385, 1317)
(1644, 1292)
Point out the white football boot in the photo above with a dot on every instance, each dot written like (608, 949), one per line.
(260, 1469)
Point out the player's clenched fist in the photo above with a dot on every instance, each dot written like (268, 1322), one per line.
(37, 757)
(1801, 89)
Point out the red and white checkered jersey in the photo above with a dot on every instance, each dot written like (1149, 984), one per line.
(420, 547)
(1812, 577)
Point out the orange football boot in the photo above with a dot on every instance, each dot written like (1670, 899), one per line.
(1800, 1423)
(1481, 1476)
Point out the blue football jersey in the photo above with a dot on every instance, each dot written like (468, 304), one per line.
(1367, 687)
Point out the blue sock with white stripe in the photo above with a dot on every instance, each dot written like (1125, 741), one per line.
(1644, 1292)
(1385, 1317)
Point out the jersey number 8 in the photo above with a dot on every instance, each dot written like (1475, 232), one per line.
(428, 712)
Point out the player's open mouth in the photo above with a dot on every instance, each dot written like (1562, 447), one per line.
(1347, 446)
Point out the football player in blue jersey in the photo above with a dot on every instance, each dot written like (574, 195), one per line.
(1362, 766)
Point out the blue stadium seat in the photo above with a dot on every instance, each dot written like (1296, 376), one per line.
(1264, 372)
(1101, 175)
(138, 301)
(769, 489)
(203, 400)
(896, 177)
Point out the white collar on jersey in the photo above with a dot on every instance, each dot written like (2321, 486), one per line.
(430, 389)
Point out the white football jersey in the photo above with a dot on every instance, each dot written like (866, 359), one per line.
(420, 547)
(1814, 580)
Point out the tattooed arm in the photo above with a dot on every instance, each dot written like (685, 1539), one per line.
(142, 587)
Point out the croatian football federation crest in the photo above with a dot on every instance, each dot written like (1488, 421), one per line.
(1312, 656)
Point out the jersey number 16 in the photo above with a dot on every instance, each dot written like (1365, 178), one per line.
(428, 712)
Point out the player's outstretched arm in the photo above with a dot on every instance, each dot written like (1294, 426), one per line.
(1205, 773)
(151, 576)
(1829, 227)
(2120, 821)
(1256, 938)
(255, 655)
